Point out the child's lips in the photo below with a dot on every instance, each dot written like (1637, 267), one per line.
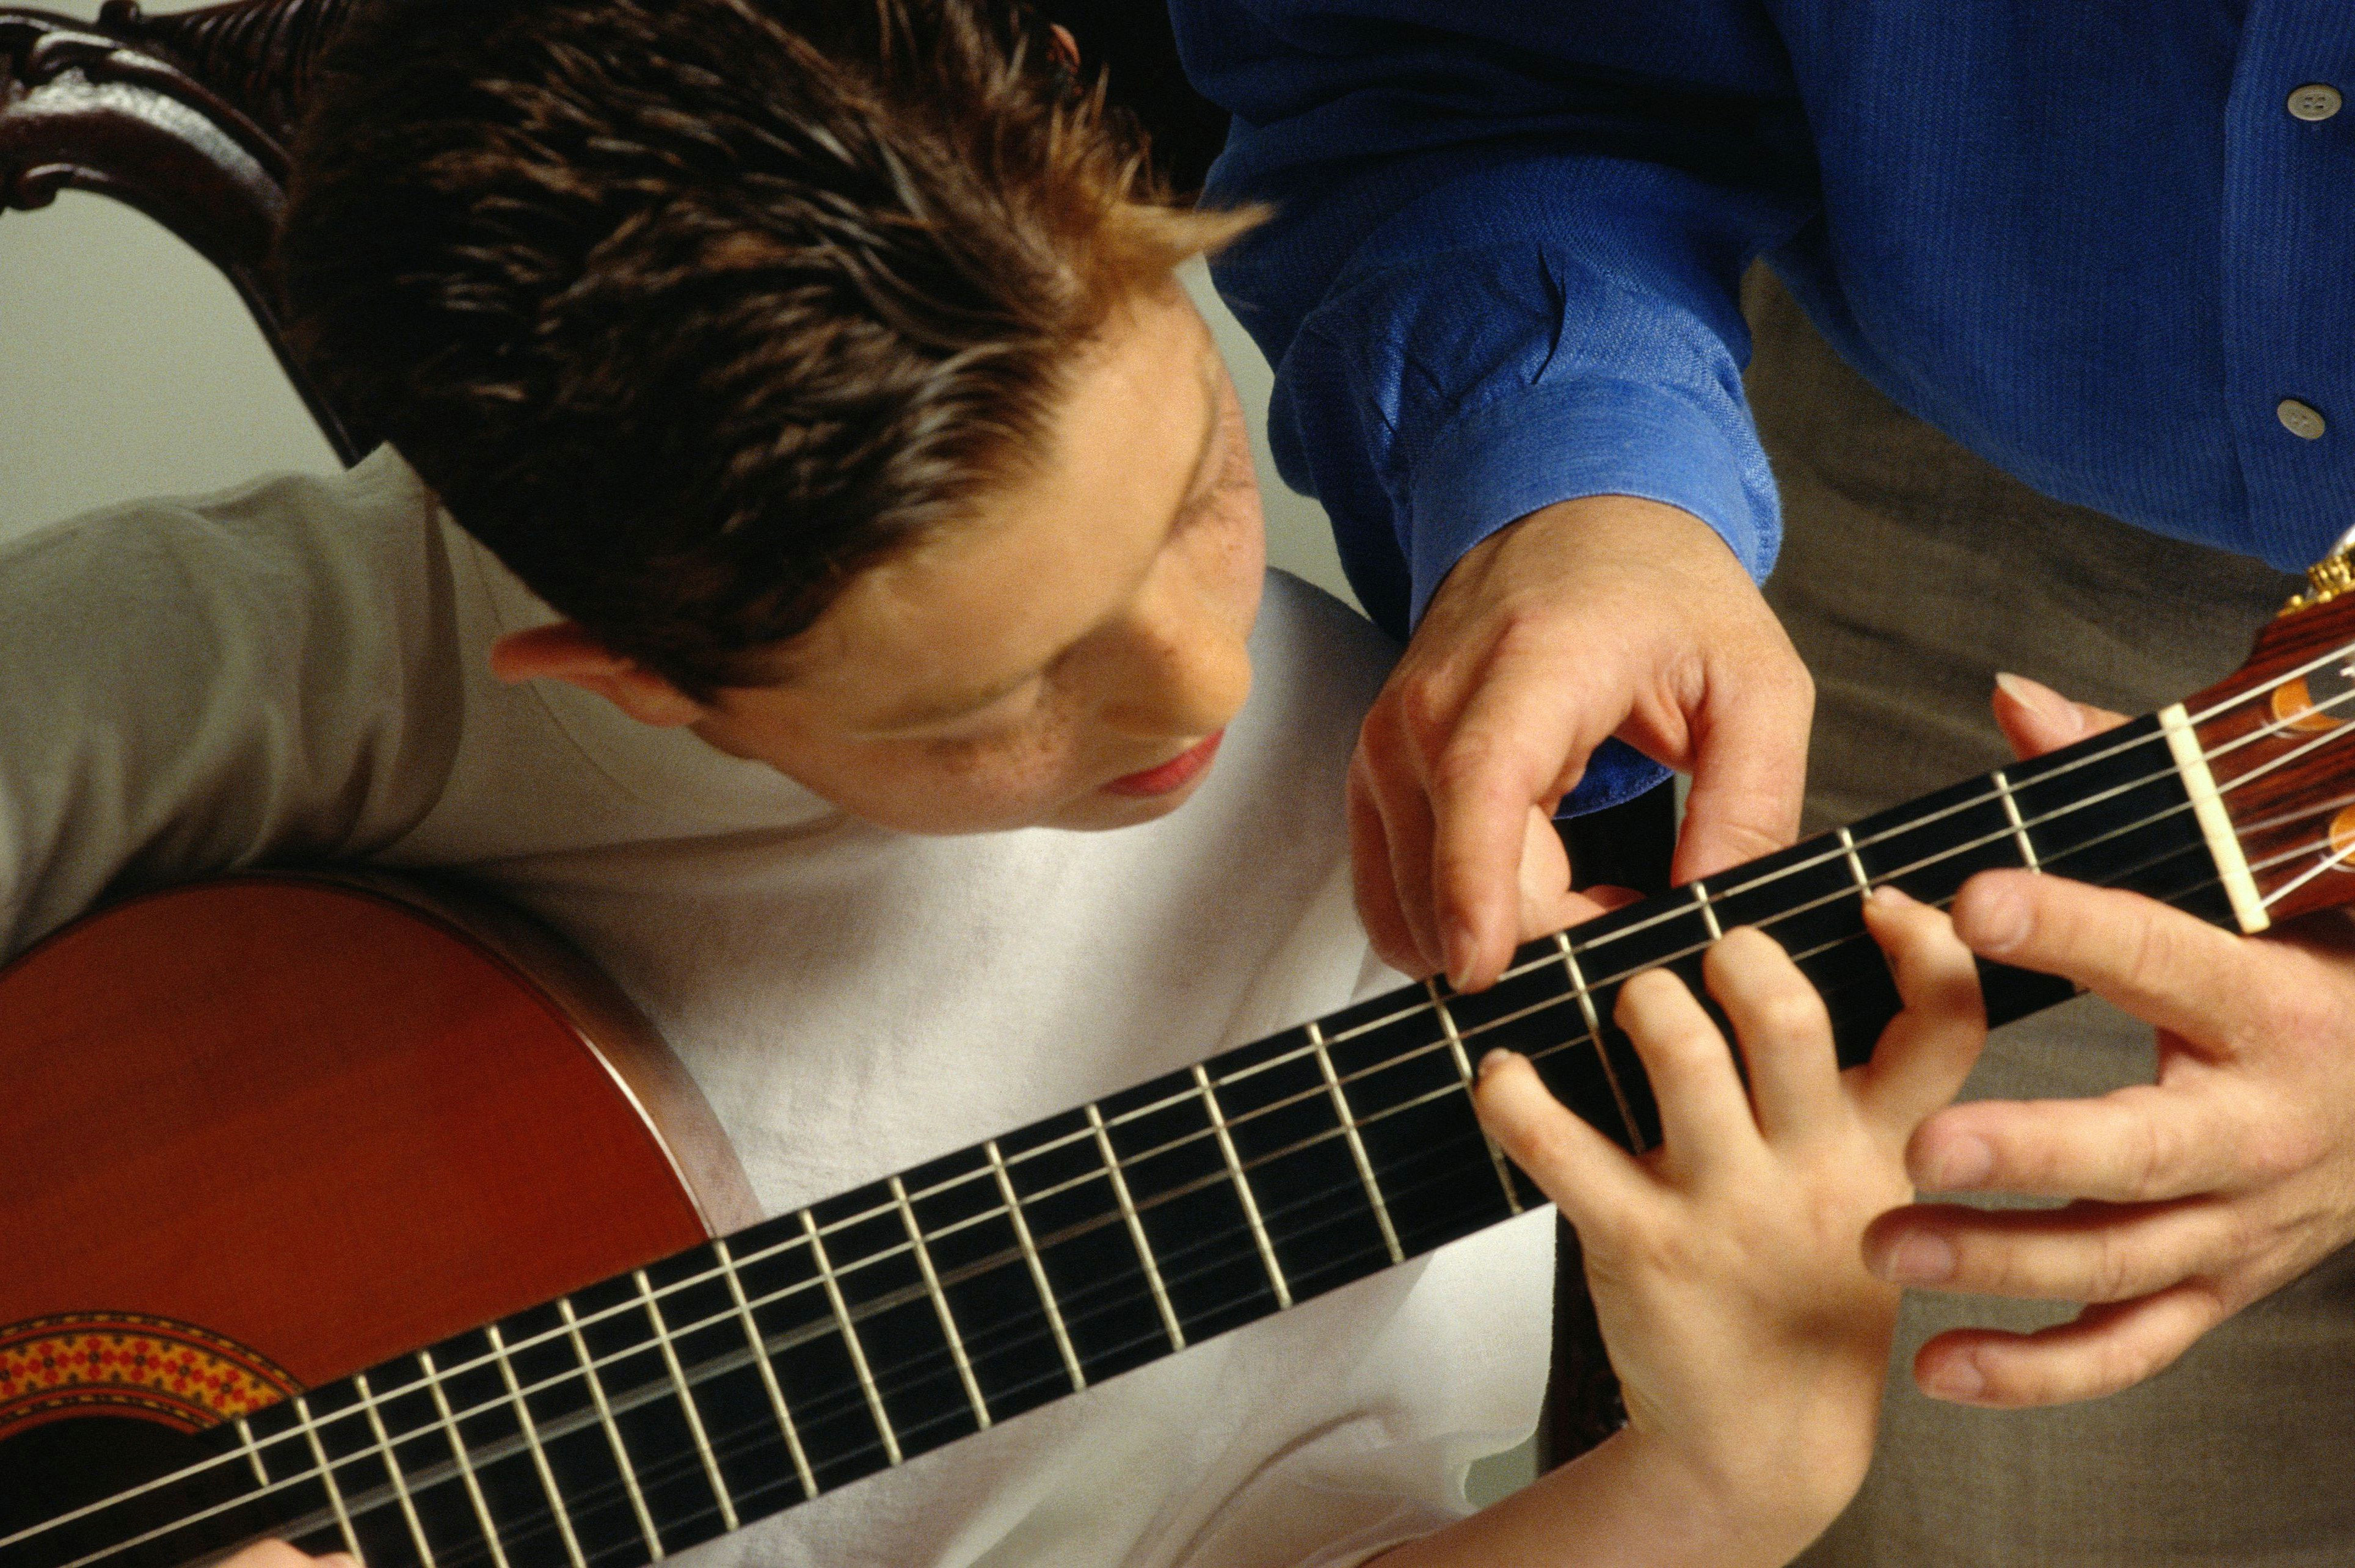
(1178, 772)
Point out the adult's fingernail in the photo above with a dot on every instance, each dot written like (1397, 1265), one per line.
(2043, 701)
(1460, 948)
(1954, 1377)
(1955, 1165)
(1996, 919)
(1919, 1260)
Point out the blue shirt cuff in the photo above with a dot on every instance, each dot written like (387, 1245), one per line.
(1559, 441)
(1616, 773)
(1555, 442)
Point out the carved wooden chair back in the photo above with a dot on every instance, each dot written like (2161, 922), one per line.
(187, 117)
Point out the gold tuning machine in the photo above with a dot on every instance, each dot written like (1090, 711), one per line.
(2329, 577)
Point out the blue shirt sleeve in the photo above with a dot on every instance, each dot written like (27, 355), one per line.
(1502, 266)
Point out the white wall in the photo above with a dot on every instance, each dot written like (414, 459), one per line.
(132, 369)
(131, 366)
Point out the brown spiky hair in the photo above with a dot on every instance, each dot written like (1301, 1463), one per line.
(692, 310)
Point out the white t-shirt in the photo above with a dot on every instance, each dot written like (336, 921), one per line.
(297, 671)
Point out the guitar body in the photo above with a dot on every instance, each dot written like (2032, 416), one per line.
(265, 1132)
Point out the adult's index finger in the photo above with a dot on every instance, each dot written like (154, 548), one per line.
(1518, 744)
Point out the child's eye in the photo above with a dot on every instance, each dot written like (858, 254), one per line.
(1230, 470)
(994, 718)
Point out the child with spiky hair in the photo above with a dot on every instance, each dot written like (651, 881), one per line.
(805, 481)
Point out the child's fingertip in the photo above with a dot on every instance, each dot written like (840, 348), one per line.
(1888, 896)
(1495, 1060)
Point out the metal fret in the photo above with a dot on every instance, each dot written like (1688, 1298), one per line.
(530, 1429)
(466, 1465)
(1038, 1265)
(685, 1399)
(1135, 1228)
(1594, 1037)
(613, 1433)
(1855, 864)
(850, 1338)
(1357, 1144)
(328, 1475)
(2018, 828)
(392, 1469)
(1243, 1189)
(941, 1304)
(252, 1452)
(1708, 915)
(768, 1372)
(1464, 1071)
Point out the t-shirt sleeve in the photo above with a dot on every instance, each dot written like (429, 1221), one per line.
(190, 688)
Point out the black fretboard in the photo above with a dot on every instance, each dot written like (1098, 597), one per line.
(640, 1416)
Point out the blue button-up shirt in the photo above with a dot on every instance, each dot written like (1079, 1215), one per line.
(2088, 238)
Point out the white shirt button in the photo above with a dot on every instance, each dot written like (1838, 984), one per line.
(2300, 419)
(2315, 101)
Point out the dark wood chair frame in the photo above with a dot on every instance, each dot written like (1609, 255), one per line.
(189, 118)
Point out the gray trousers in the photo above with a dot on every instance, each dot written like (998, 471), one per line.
(1911, 572)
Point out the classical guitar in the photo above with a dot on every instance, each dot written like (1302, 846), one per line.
(338, 1218)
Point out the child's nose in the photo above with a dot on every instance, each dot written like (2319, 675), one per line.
(1185, 672)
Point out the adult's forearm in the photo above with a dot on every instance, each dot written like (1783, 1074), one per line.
(1496, 277)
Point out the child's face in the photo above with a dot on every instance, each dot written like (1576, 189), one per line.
(1069, 658)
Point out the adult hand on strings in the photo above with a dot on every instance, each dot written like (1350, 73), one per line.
(2189, 1197)
(1598, 617)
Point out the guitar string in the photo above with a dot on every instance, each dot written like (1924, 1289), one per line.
(1240, 1256)
(331, 1417)
(870, 1309)
(758, 1434)
(2123, 744)
(988, 1342)
(1543, 961)
(1910, 825)
(751, 1438)
(1548, 959)
(1449, 1090)
(1237, 1254)
(1425, 1007)
(849, 1399)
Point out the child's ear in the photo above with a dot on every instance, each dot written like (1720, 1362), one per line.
(563, 652)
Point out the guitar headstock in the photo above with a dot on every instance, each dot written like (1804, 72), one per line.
(2277, 736)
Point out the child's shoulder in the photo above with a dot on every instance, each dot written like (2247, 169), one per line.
(257, 537)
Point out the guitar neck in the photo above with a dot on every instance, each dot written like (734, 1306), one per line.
(658, 1409)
